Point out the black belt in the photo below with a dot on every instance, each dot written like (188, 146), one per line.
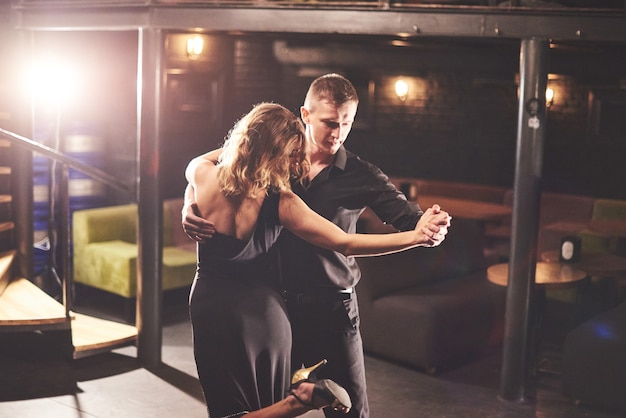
(316, 298)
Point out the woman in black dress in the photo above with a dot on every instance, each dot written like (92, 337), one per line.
(242, 337)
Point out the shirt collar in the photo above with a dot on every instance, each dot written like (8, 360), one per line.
(339, 163)
(341, 158)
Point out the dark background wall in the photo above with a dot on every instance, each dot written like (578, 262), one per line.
(461, 124)
(458, 123)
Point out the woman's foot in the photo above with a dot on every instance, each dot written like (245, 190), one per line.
(321, 394)
(318, 394)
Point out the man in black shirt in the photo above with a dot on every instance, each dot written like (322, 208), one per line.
(318, 285)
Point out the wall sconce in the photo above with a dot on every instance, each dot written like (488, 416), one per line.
(549, 97)
(402, 89)
(195, 45)
(556, 86)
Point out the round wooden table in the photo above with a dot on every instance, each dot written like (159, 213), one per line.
(552, 274)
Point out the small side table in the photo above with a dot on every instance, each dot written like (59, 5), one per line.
(606, 268)
(546, 275)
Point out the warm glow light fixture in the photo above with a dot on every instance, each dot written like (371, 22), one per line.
(51, 82)
(195, 45)
(549, 97)
(402, 89)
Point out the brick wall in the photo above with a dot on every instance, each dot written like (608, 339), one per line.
(462, 126)
(459, 120)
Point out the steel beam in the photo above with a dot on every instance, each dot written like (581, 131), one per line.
(479, 23)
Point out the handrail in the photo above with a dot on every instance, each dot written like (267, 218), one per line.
(95, 173)
(63, 229)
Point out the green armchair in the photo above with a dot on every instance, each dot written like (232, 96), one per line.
(105, 249)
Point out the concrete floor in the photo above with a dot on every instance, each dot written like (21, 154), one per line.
(36, 382)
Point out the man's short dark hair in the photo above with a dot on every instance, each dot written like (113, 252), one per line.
(333, 88)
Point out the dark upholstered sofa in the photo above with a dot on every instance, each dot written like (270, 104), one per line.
(594, 360)
(430, 308)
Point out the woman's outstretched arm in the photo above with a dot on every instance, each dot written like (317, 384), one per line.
(301, 220)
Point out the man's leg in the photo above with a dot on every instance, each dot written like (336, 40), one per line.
(329, 329)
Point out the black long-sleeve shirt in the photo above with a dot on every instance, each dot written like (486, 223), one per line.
(340, 193)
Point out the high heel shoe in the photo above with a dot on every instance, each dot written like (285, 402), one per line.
(325, 391)
(307, 373)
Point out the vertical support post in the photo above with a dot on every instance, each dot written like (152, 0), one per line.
(518, 341)
(22, 179)
(64, 241)
(22, 186)
(150, 208)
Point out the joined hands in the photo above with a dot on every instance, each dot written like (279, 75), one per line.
(433, 225)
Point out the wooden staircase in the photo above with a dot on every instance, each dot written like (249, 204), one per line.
(25, 307)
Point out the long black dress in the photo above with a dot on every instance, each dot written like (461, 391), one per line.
(242, 337)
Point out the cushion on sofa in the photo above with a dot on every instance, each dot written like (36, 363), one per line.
(459, 254)
(437, 326)
(179, 267)
(112, 265)
(431, 307)
(105, 224)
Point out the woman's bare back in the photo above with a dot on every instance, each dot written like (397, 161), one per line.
(235, 217)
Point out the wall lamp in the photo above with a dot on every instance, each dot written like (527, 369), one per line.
(552, 88)
(195, 45)
(402, 89)
(549, 97)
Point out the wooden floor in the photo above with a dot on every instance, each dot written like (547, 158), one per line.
(24, 306)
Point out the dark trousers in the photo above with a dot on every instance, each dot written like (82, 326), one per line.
(328, 327)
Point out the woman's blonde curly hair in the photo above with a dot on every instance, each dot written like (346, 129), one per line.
(264, 151)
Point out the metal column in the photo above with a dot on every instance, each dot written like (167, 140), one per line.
(22, 177)
(149, 280)
(518, 333)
